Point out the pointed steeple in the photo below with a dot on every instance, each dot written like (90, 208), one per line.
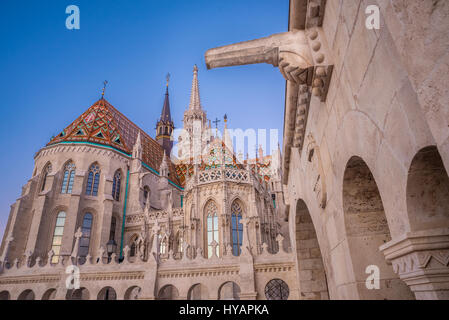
(163, 169)
(137, 148)
(165, 114)
(165, 125)
(195, 102)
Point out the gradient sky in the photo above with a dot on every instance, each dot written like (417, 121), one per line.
(49, 75)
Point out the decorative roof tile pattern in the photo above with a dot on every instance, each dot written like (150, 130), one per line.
(105, 125)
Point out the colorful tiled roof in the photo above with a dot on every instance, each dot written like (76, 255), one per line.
(103, 124)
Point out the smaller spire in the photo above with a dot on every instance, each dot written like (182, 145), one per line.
(137, 148)
(195, 102)
(163, 170)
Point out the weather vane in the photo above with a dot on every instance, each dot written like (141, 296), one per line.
(168, 78)
(105, 83)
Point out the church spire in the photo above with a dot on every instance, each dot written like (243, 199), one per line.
(195, 102)
(165, 126)
(165, 114)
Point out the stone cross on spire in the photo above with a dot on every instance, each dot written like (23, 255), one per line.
(195, 103)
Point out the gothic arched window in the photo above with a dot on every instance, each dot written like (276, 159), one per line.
(133, 249)
(116, 185)
(86, 229)
(93, 180)
(46, 172)
(57, 236)
(69, 176)
(212, 228)
(236, 228)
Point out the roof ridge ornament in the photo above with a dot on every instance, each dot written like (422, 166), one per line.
(105, 83)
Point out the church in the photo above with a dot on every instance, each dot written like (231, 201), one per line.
(355, 207)
(114, 211)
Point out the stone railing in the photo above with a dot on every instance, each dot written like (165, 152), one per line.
(227, 174)
(137, 219)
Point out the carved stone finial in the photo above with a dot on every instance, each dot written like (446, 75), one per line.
(214, 245)
(280, 241)
(100, 255)
(185, 247)
(78, 236)
(126, 253)
(50, 255)
(264, 248)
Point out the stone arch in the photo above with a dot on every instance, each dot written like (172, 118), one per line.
(107, 293)
(168, 292)
(133, 245)
(229, 291)
(132, 293)
(366, 230)
(5, 295)
(26, 295)
(50, 294)
(78, 294)
(310, 264)
(198, 292)
(428, 191)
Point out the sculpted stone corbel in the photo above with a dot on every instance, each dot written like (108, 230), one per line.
(302, 57)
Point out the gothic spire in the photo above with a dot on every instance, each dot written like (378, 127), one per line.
(195, 102)
(165, 114)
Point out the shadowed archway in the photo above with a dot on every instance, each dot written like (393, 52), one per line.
(366, 230)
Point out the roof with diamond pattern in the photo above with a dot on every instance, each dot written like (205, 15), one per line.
(103, 124)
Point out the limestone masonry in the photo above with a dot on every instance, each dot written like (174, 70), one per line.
(354, 206)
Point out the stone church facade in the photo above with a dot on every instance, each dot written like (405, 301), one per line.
(358, 207)
(107, 207)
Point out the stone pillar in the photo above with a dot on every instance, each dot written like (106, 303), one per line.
(246, 264)
(421, 259)
(39, 206)
(103, 227)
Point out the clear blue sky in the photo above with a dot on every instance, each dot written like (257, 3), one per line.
(49, 75)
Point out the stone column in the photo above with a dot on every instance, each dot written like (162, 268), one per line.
(421, 259)
(39, 206)
(246, 264)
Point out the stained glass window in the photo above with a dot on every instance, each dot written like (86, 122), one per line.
(212, 228)
(237, 228)
(57, 236)
(69, 176)
(85, 238)
(116, 185)
(93, 180)
(277, 289)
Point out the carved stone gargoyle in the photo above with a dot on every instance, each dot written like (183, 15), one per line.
(301, 55)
